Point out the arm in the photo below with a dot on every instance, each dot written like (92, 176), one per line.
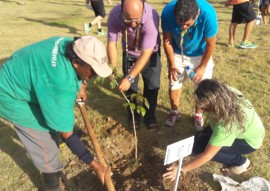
(138, 67)
(227, 3)
(173, 70)
(82, 94)
(210, 47)
(209, 152)
(112, 53)
(79, 149)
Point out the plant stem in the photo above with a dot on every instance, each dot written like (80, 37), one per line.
(133, 122)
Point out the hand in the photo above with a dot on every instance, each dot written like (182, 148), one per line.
(82, 94)
(199, 72)
(114, 74)
(173, 72)
(171, 174)
(227, 3)
(100, 170)
(124, 85)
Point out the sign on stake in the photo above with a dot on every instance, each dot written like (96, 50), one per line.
(177, 151)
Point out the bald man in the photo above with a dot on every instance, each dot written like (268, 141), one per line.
(138, 23)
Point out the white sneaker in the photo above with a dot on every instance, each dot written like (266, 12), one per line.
(172, 118)
(198, 121)
(240, 169)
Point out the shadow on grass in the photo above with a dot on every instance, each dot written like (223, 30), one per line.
(71, 29)
(9, 146)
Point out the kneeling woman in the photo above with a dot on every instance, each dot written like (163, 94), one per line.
(236, 129)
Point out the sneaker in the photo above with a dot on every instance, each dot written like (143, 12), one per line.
(247, 44)
(172, 118)
(240, 169)
(102, 33)
(153, 126)
(87, 29)
(198, 121)
(233, 46)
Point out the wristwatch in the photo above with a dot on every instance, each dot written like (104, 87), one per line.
(130, 78)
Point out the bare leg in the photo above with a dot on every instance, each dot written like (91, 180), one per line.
(175, 98)
(96, 20)
(263, 12)
(232, 30)
(248, 29)
(99, 24)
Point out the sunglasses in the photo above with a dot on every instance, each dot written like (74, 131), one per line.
(128, 21)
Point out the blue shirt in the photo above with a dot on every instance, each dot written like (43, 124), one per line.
(205, 26)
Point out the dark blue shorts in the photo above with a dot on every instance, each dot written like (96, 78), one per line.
(243, 13)
(98, 8)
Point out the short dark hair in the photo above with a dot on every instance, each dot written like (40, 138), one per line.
(185, 10)
(71, 54)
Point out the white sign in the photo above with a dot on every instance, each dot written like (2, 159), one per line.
(179, 149)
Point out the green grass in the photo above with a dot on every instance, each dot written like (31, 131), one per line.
(247, 70)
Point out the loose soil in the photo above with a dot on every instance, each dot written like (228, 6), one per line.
(143, 174)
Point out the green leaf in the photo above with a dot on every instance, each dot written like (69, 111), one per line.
(141, 110)
(126, 105)
(113, 84)
(146, 103)
(133, 96)
(132, 106)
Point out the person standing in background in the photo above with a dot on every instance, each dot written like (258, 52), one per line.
(99, 10)
(242, 11)
(264, 7)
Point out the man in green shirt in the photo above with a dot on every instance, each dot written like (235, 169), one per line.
(38, 87)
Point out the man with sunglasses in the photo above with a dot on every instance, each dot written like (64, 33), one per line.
(138, 24)
(38, 87)
(189, 37)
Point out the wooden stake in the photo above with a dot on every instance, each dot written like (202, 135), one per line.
(108, 180)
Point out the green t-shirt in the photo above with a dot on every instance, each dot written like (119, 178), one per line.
(254, 130)
(38, 87)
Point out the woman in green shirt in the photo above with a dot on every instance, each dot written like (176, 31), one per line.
(236, 129)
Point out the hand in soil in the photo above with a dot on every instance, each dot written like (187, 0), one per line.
(171, 174)
(100, 170)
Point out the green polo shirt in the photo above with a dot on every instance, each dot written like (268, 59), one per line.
(38, 87)
(254, 130)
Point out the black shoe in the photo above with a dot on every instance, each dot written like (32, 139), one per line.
(153, 126)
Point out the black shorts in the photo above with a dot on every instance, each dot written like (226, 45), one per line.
(98, 8)
(243, 12)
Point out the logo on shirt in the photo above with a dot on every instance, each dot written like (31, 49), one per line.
(55, 51)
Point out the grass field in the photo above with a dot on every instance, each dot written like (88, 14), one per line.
(247, 70)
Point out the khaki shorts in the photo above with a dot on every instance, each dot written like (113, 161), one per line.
(193, 62)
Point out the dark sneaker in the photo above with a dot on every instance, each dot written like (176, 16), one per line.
(153, 126)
